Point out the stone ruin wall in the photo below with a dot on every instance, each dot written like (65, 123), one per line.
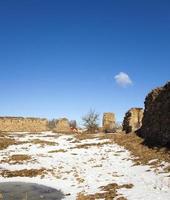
(109, 122)
(156, 121)
(62, 126)
(21, 124)
(133, 120)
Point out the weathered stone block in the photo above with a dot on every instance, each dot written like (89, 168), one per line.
(133, 120)
(109, 122)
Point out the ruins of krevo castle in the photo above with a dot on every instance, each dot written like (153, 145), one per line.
(152, 123)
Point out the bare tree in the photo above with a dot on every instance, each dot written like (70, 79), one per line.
(73, 124)
(90, 121)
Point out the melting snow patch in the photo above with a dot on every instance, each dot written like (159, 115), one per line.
(74, 170)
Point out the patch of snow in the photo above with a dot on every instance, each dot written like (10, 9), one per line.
(85, 170)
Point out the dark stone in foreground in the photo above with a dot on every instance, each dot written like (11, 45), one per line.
(156, 121)
(28, 191)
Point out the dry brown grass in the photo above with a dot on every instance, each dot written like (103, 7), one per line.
(84, 136)
(78, 178)
(58, 151)
(86, 146)
(23, 173)
(52, 136)
(43, 142)
(62, 132)
(6, 141)
(142, 153)
(17, 159)
(108, 192)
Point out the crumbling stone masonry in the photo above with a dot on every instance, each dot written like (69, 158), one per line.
(109, 122)
(133, 120)
(21, 124)
(156, 121)
(62, 126)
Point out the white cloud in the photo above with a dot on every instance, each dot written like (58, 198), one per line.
(123, 79)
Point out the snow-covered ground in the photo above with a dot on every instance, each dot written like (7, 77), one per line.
(73, 168)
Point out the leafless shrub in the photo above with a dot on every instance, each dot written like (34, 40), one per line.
(90, 121)
(73, 124)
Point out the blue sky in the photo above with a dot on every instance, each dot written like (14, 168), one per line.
(60, 58)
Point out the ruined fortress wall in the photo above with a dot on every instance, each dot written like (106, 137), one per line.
(19, 124)
(62, 126)
(109, 122)
(133, 120)
(156, 121)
